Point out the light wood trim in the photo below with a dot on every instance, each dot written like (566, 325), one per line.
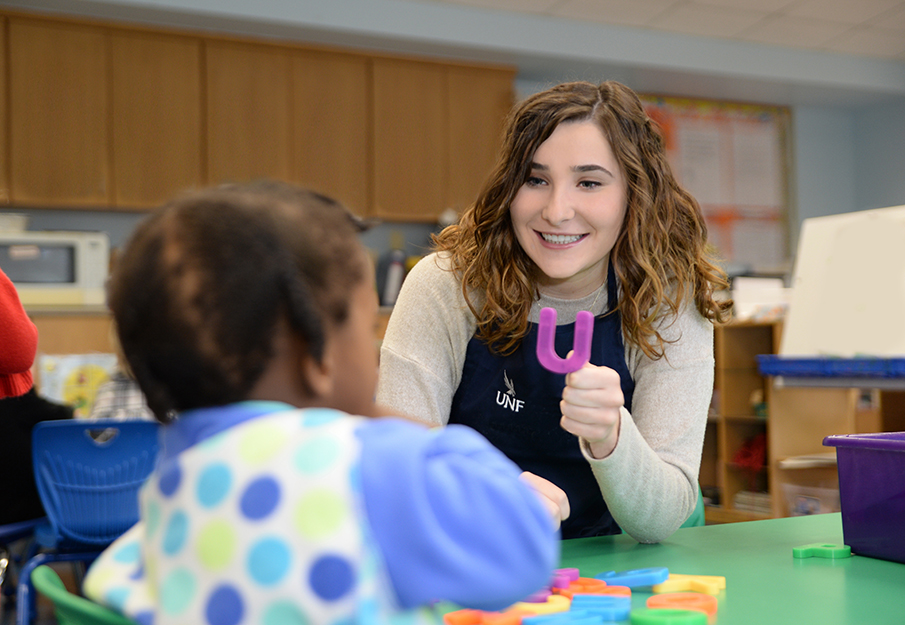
(157, 111)
(59, 152)
(248, 112)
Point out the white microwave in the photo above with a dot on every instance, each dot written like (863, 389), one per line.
(56, 268)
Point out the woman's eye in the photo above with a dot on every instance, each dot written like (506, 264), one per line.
(534, 181)
(589, 184)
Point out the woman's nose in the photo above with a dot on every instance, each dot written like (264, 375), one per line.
(559, 207)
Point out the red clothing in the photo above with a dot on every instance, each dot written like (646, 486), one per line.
(18, 342)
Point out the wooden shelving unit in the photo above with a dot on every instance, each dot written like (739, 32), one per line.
(797, 420)
(735, 422)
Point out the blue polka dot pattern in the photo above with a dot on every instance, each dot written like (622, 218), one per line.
(175, 533)
(224, 606)
(145, 617)
(263, 527)
(331, 577)
(316, 417)
(260, 498)
(128, 553)
(268, 561)
(177, 591)
(151, 517)
(170, 478)
(316, 455)
(214, 484)
(116, 597)
(284, 613)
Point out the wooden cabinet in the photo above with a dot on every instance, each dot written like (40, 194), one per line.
(58, 140)
(156, 95)
(479, 100)
(126, 117)
(437, 132)
(332, 126)
(411, 143)
(73, 331)
(4, 139)
(248, 112)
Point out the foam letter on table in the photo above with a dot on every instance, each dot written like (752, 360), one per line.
(581, 344)
(710, 584)
(635, 577)
(685, 601)
(822, 550)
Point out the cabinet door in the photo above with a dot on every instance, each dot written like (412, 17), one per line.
(4, 143)
(479, 99)
(156, 117)
(59, 115)
(331, 115)
(248, 119)
(411, 152)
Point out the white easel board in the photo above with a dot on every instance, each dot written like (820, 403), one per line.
(848, 291)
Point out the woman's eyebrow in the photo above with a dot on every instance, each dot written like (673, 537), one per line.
(579, 169)
(587, 168)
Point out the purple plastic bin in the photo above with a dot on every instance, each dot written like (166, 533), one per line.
(872, 492)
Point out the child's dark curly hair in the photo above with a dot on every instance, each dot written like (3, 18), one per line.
(202, 284)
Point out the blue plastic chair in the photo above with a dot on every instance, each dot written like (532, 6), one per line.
(88, 474)
(9, 561)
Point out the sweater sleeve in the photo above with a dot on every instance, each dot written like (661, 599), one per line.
(452, 517)
(650, 481)
(424, 346)
(18, 342)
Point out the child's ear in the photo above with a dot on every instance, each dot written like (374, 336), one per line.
(316, 377)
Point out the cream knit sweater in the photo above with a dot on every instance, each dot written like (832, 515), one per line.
(649, 482)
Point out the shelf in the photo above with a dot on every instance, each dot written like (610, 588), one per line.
(808, 461)
(718, 514)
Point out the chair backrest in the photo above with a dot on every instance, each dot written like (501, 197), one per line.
(88, 474)
(72, 609)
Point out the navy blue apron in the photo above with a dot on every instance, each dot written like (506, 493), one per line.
(514, 403)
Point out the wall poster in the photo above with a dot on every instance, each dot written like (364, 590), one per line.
(733, 158)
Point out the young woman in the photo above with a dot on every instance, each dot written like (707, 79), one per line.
(582, 212)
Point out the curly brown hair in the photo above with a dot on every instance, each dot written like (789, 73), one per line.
(660, 258)
(203, 282)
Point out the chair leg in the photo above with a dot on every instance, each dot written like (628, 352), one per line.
(26, 599)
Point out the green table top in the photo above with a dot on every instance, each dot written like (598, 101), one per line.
(764, 583)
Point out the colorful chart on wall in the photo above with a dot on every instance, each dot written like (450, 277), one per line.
(73, 379)
(733, 158)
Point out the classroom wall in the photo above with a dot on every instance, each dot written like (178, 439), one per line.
(823, 155)
(848, 151)
(879, 140)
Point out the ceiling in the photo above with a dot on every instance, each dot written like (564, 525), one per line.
(874, 28)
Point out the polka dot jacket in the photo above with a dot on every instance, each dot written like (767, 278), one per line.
(264, 522)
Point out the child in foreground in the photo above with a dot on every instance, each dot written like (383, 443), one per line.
(249, 313)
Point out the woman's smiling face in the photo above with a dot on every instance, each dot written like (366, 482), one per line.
(570, 211)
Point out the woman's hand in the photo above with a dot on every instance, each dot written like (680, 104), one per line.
(590, 407)
(551, 495)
